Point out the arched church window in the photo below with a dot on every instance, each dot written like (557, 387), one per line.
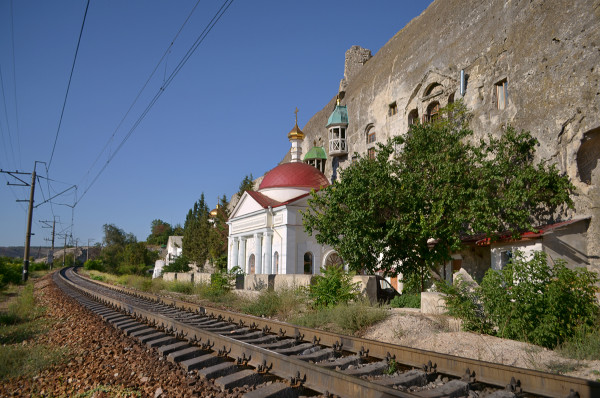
(251, 263)
(308, 263)
(276, 263)
(413, 117)
(433, 111)
(451, 99)
(333, 259)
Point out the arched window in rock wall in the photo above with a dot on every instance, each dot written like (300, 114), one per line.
(588, 155)
(434, 88)
(433, 112)
(413, 117)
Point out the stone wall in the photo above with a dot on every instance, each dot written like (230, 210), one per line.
(547, 53)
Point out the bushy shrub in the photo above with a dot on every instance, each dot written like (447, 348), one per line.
(276, 303)
(95, 265)
(180, 264)
(584, 344)
(38, 266)
(356, 316)
(181, 287)
(406, 300)
(344, 318)
(100, 278)
(10, 271)
(463, 301)
(221, 281)
(529, 301)
(334, 286)
(133, 269)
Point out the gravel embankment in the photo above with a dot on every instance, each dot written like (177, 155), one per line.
(103, 362)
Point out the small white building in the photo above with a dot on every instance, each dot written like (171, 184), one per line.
(174, 248)
(266, 235)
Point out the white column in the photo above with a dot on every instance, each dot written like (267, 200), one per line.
(233, 261)
(229, 252)
(242, 256)
(258, 253)
(268, 253)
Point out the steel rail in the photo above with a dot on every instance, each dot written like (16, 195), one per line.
(531, 381)
(316, 377)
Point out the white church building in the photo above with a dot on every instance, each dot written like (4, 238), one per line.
(266, 235)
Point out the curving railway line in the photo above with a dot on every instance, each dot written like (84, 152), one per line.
(276, 359)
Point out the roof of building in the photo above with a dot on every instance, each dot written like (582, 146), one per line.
(175, 240)
(316, 152)
(539, 231)
(266, 201)
(296, 174)
(338, 116)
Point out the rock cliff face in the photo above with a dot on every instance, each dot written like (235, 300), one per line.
(533, 64)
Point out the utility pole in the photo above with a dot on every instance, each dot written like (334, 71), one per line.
(75, 253)
(15, 174)
(65, 250)
(28, 233)
(87, 257)
(51, 254)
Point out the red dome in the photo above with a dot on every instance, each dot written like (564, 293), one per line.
(294, 174)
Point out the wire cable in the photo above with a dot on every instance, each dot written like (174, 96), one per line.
(162, 89)
(68, 87)
(140, 93)
(12, 34)
(10, 142)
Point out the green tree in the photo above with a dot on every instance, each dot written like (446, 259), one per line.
(218, 235)
(159, 232)
(247, 184)
(122, 254)
(115, 236)
(407, 209)
(196, 232)
(177, 230)
(180, 264)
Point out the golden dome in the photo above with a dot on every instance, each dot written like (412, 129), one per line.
(296, 133)
(215, 212)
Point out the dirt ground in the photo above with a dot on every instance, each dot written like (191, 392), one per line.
(441, 333)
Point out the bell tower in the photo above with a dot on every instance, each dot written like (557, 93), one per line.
(296, 136)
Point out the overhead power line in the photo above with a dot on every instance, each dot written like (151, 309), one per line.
(10, 141)
(68, 87)
(12, 34)
(162, 89)
(140, 92)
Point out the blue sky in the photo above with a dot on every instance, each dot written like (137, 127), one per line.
(226, 113)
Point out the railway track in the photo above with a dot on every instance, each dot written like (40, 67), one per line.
(276, 359)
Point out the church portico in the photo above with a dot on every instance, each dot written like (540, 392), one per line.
(266, 235)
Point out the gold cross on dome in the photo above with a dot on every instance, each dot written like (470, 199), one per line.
(296, 112)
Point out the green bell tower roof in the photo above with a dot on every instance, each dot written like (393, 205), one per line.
(338, 116)
(316, 152)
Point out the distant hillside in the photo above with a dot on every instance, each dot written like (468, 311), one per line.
(17, 251)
